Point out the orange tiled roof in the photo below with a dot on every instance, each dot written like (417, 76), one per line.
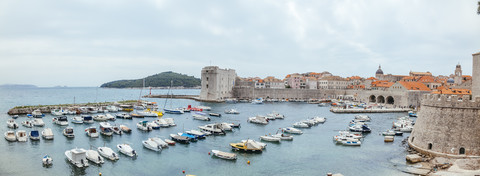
(383, 83)
(371, 78)
(449, 91)
(426, 79)
(414, 86)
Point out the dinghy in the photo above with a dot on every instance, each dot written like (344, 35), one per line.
(292, 130)
(125, 129)
(170, 142)
(224, 155)
(269, 138)
(180, 139)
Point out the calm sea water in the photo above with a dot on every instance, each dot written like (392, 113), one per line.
(313, 153)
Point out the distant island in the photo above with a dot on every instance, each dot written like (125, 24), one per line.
(17, 86)
(157, 80)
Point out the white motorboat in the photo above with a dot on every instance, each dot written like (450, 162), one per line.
(27, 123)
(388, 133)
(406, 129)
(127, 150)
(197, 134)
(108, 153)
(47, 133)
(87, 119)
(258, 143)
(94, 157)
(62, 120)
(34, 135)
(110, 117)
(224, 155)
(77, 157)
(213, 129)
(162, 123)
(147, 113)
(204, 108)
(231, 111)
(125, 129)
(170, 122)
(270, 138)
(352, 143)
(300, 125)
(68, 132)
(112, 108)
(200, 116)
(257, 101)
(124, 116)
(309, 122)
(143, 125)
(258, 120)
(292, 130)
(159, 141)
(77, 119)
(47, 160)
(22, 136)
(106, 129)
(57, 112)
(276, 115)
(38, 122)
(117, 130)
(149, 144)
(154, 125)
(37, 113)
(170, 142)
(12, 124)
(174, 111)
(363, 117)
(283, 137)
(10, 136)
(100, 117)
(92, 132)
(318, 120)
(226, 126)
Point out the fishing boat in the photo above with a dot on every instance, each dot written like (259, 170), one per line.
(110, 117)
(10, 136)
(34, 135)
(87, 119)
(159, 141)
(22, 136)
(190, 137)
(47, 160)
(300, 125)
(170, 142)
(92, 132)
(170, 122)
(117, 129)
(292, 130)
(247, 146)
(100, 117)
(213, 129)
(180, 139)
(215, 114)
(62, 120)
(258, 120)
(224, 155)
(123, 116)
(108, 153)
(152, 145)
(68, 132)
(200, 116)
(77, 120)
(94, 157)
(283, 137)
(197, 134)
(143, 125)
(162, 123)
(231, 111)
(270, 138)
(126, 150)
(12, 124)
(125, 129)
(47, 133)
(77, 157)
(38, 122)
(37, 113)
(27, 123)
(106, 129)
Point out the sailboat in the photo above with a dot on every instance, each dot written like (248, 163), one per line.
(171, 110)
(151, 110)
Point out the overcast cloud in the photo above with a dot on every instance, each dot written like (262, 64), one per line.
(87, 43)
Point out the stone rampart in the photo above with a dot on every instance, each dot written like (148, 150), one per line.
(447, 126)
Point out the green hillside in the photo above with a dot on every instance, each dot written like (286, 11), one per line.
(158, 80)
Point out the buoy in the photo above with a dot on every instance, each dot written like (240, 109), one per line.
(183, 171)
(100, 174)
(248, 162)
(208, 153)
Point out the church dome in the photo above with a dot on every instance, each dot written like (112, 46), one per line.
(379, 71)
(450, 80)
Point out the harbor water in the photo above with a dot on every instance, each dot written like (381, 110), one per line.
(312, 153)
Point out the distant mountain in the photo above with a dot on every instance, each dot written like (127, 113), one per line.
(158, 80)
(17, 86)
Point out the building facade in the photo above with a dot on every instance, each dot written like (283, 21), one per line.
(217, 84)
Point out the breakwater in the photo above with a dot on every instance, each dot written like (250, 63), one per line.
(22, 110)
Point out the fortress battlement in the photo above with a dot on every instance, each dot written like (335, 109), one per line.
(450, 101)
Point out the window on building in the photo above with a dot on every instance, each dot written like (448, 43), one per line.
(413, 138)
(462, 151)
(430, 145)
(207, 86)
(207, 78)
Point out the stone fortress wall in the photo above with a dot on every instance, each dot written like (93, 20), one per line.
(447, 126)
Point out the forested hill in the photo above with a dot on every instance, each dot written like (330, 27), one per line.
(158, 80)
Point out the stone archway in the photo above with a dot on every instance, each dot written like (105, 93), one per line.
(390, 100)
(380, 99)
(372, 99)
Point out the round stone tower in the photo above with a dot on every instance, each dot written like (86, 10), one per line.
(448, 126)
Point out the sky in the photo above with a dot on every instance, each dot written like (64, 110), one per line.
(90, 42)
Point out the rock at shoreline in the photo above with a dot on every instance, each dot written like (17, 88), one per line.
(414, 158)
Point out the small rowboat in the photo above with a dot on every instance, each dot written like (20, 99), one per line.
(224, 155)
(270, 138)
(169, 142)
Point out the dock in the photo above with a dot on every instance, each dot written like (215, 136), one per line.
(355, 110)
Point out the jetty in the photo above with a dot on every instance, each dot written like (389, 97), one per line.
(371, 110)
(22, 110)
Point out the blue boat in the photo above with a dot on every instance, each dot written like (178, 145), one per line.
(173, 111)
(412, 114)
(34, 135)
(87, 119)
(192, 138)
